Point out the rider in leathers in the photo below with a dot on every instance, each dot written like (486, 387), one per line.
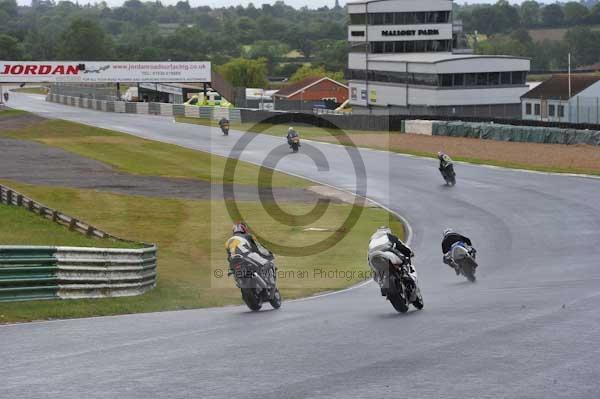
(450, 238)
(395, 244)
(445, 162)
(243, 243)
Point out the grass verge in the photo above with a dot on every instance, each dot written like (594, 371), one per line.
(190, 236)
(32, 90)
(135, 155)
(22, 227)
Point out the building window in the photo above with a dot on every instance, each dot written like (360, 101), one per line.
(561, 111)
(482, 79)
(505, 78)
(446, 80)
(401, 18)
(537, 108)
(494, 78)
(411, 46)
(470, 79)
(551, 110)
(527, 108)
(518, 78)
(358, 19)
(459, 79)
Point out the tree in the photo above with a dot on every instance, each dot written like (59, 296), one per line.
(575, 13)
(84, 39)
(10, 48)
(308, 71)
(242, 72)
(552, 16)
(530, 13)
(584, 45)
(270, 50)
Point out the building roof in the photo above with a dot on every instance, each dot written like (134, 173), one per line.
(557, 87)
(294, 88)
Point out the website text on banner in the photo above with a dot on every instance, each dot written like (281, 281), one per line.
(103, 71)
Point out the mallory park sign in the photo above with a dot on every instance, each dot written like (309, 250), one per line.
(411, 32)
(103, 71)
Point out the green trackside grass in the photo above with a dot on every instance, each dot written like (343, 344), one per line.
(32, 90)
(190, 237)
(9, 113)
(139, 156)
(345, 137)
(19, 226)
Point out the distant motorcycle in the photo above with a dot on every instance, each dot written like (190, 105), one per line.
(397, 278)
(295, 143)
(256, 281)
(462, 258)
(449, 175)
(225, 129)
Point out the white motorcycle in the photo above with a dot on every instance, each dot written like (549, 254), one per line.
(462, 258)
(396, 276)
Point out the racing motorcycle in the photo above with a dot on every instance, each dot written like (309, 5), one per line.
(225, 129)
(256, 280)
(462, 258)
(295, 143)
(449, 175)
(396, 277)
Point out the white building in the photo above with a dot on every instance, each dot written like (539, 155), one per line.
(551, 101)
(405, 54)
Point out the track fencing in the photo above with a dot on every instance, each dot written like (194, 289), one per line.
(50, 272)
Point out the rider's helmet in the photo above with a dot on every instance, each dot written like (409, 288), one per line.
(448, 231)
(290, 129)
(240, 228)
(440, 154)
(384, 229)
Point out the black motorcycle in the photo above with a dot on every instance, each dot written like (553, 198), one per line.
(257, 283)
(449, 175)
(294, 143)
(225, 129)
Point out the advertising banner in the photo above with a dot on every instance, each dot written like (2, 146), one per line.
(103, 71)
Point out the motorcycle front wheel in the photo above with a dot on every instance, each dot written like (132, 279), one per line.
(276, 300)
(252, 298)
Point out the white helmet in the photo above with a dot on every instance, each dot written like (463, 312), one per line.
(384, 229)
(290, 129)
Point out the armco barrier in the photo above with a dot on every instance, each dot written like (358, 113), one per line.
(142, 108)
(42, 272)
(166, 109)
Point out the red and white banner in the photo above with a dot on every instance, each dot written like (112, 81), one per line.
(103, 71)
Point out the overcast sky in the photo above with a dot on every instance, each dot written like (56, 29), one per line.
(295, 3)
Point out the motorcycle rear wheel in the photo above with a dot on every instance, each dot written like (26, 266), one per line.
(398, 302)
(468, 269)
(252, 298)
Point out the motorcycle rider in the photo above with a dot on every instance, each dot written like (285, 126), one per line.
(223, 122)
(291, 134)
(445, 162)
(450, 238)
(383, 236)
(243, 243)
